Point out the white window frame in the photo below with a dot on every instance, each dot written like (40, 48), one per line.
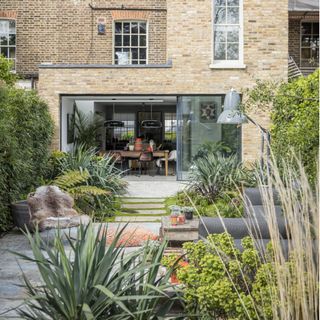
(11, 46)
(147, 39)
(300, 43)
(228, 64)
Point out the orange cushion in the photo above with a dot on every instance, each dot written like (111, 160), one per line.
(130, 237)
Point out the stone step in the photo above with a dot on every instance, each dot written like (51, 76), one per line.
(142, 206)
(143, 200)
(138, 219)
(145, 211)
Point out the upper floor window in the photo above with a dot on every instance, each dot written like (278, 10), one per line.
(309, 44)
(130, 42)
(8, 40)
(227, 33)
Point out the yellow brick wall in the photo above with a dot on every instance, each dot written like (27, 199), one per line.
(189, 30)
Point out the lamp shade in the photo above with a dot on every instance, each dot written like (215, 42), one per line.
(151, 124)
(231, 111)
(113, 124)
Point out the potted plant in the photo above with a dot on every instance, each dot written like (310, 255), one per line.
(173, 262)
(188, 212)
(21, 214)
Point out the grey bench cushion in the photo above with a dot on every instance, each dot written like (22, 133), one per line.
(240, 227)
(260, 211)
(253, 197)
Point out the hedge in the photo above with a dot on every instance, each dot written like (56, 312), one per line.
(26, 130)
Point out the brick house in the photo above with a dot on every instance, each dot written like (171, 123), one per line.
(170, 60)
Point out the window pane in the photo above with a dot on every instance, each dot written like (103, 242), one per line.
(219, 51)
(220, 35)
(233, 34)
(305, 41)
(12, 52)
(233, 15)
(3, 40)
(142, 28)
(12, 39)
(220, 3)
(134, 61)
(134, 53)
(315, 53)
(220, 15)
(315, 41)
(143, 61)
(305, 54)
(232, 51)
(4, 26)
(233, 2)
(126, 41)
(143, 41)
(306, 28)
(118, 27)
(4, 52)
(142, 54)
(134, 41)
(118, 41)
(12, 26)
(126, 27)
(134, 27)
(316, 28)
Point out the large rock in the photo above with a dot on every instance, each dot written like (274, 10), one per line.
(52, 208)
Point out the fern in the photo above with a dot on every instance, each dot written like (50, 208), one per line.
(71, 179)
(80, 191)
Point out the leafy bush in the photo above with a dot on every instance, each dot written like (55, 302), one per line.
(98, 282)
(76, 184)
(26, 129)
(6, 75)
(227, 205)
(223, 283)
(295, 121)
(212, 147)
(102, 174)
(214, 174)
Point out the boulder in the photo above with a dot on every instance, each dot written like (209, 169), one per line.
(50, 208)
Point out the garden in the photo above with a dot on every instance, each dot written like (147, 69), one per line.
(221, 276)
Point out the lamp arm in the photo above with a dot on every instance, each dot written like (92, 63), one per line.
(257, 125)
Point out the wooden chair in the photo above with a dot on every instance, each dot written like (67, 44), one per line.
(145, 159)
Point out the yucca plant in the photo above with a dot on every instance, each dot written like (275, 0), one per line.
(90, 280)
(213, 174)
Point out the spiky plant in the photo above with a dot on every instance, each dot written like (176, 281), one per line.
(213, 174)
(90, 280)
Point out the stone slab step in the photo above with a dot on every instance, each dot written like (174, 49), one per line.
(142, 206)
(143, 200)
(146, 211)
(138, 219)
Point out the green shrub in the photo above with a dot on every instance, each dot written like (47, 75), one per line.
(96, 280)
(102, 174)
(212, 147)
(295, 121)
(26, 129)
(223, 283)
(214, 174)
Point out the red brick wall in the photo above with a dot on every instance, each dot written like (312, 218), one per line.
(66, 31)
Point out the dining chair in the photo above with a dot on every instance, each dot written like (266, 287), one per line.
(172, 157)
(145, 159)
(118, 159)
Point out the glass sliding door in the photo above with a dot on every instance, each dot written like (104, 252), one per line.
(197, 124)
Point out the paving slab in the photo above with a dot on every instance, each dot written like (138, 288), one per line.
(143, 200)
(145, 211)
(138, 219)
(142, 206)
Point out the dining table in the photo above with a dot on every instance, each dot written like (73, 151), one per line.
(136, 154)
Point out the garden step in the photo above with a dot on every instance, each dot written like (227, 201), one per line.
(142, 206)
(143, 200)
(138, 219)
(145, 211)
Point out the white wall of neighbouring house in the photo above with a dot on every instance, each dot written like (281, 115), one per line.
(67, 107)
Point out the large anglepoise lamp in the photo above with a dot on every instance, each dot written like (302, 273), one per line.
(232, 114)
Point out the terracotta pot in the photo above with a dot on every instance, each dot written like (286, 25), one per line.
(173, 278)
(138, 145)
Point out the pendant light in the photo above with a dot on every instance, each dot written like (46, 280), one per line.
(110, 124)
(151, 124)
